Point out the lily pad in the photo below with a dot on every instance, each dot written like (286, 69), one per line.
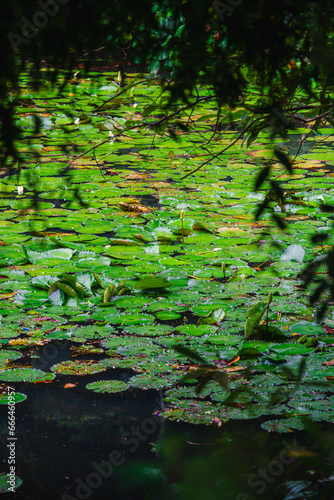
(152, 282)
(5, 484)
(196, 330)
(21, 374)
(82, 367)
(17, 397)
(283, 425)
(108, 386)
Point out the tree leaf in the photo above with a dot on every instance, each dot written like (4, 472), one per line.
(190, 353)
(284, 159)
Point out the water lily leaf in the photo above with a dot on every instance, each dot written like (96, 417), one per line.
(153, 381)
(293, 252)
(108, 386)
(201, 412)
(149, 330)
(44, 281)
(5, 484)
(120, 241)
(196, 330)
(307, 329)
(82, 367)
(190, 353)
(21, 374)
(17, 397)
(291, 349)
(130, 319)
(214, 317)
(167, 315)
(67, 289)
(293, 489)
(97, 279)
(57, 297)
(283, 425)
(151, 282)
(6, 356)
(202, 227)
(40, 257)
(254, 316)
(109, 292)
(86, 281)
(91, 262)
(130, 302)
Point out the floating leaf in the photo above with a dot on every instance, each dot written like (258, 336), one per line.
(283, 425)
(151, 282)
(21, 374)
(293, 252)
(5, 483)
(254, 317)
(82, 367)
(108, 386)
(15, 398)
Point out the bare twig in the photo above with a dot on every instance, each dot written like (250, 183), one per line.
(223, 150)
(118, 94)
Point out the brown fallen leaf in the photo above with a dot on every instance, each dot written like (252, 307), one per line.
(4, 296)
(234, 369)
(233, 360)
(216, 422)
(44, 318)
(140, 209)
(328, 363)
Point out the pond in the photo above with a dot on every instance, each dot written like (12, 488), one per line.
(121, 277)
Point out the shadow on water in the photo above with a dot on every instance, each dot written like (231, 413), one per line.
(64, 435)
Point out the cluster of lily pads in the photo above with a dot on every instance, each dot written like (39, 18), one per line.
(96, 254)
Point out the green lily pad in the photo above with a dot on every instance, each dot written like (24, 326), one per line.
(149, 330)
(152, 381)
(152, 282)
(284, 425)
(291, 349)
(6, 356)
(108, 386)
(167, 315)
(21, 374)
(78, 367)
(196, 330)
(17, 397)
(130, 319)
(5, 483)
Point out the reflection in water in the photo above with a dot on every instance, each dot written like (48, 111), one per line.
(63, 437)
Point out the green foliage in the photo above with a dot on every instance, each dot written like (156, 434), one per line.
(151, 283)
(205, 373)
(254, 317)
(108, 386)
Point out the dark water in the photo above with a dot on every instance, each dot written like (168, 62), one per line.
(63, 437)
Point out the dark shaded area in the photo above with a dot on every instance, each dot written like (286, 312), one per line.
(283, 45)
